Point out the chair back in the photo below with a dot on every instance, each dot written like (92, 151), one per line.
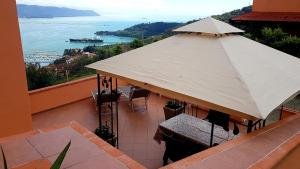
(138, 93)
(107, 97)
(179, 147)
(219, 118)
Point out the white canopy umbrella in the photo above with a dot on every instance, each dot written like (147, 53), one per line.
(209, 26)
(213, 67)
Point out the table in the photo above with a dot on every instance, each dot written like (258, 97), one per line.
(193, 129)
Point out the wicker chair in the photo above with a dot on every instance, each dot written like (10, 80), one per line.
(133, 92)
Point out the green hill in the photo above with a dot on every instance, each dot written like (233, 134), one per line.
(144, 30)
(228, 15)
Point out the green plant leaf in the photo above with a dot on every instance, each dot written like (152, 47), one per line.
(61, 157)
(4, 159)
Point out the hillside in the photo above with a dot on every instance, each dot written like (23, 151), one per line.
(146, 30)
(228, 15)
(143, 30)
(34, 11)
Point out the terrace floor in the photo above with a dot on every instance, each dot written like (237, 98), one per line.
(136, 128)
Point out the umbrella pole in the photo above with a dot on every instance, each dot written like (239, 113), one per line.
(281, 111)
(111, 106)
(250, 125)
(98, 100)
(117, 113)
(212, 134)
(264, 122)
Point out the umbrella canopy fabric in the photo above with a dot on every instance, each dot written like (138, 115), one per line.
(209, 26)
(228, 73)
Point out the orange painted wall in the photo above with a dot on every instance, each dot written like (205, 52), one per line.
(276, 5)
(14, 100)
(58, 95)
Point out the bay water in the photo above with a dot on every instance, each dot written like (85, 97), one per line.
(45, 39)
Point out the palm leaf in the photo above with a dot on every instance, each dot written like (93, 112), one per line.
(61, 157)
(4, 159)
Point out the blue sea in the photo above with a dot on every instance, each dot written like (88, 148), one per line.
(45, 39)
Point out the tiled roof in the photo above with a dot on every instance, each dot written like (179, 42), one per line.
(269, 16)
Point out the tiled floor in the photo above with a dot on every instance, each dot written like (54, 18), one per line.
(40, 148)
(136, 128)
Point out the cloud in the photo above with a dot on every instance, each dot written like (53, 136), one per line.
(152, 9)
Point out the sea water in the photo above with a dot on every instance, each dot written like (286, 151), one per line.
(45, 39)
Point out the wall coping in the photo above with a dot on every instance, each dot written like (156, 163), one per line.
(275, 157)
(235, 142)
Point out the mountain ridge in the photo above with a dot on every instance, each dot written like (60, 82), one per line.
(36, 11)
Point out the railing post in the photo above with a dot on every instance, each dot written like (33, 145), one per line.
(264, 122)
(111, 106)
(249, 128)
(212, 134)
(281, 111)
(98, 100)
(117, 113)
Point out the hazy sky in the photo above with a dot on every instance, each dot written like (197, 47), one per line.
(158, 10)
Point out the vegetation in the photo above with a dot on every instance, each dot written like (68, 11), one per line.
(4, 159)
(72, 65)
(276, 38)
(136, 44)
(273, 37)
(144, 30)
(172, 104)
(57, 163)
(38, 77)
(228, 15)
(106, 134)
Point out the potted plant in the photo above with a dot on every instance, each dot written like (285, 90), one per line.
(172, 108)
(106, 134)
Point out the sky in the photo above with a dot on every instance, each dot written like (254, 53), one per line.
(152, 10)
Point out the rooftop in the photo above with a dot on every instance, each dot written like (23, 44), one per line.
(269, 17)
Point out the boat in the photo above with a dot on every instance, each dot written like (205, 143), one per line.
(87, 40)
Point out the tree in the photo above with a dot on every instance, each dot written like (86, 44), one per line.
(136, 43)
(290, 45)
(117, 50)
(38, 76)
(280, 40)
(269, 35)
(90, 49)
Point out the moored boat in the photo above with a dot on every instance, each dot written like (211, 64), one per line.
(86, 40)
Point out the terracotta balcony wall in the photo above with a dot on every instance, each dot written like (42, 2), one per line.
(62, 94)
